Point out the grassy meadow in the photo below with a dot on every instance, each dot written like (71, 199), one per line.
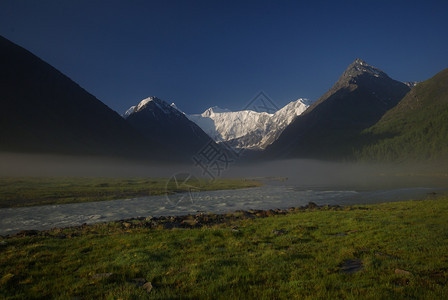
(383, 251)
(29, 191)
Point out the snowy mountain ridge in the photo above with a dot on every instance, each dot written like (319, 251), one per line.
(241, 129)
(153, 103)
(246, 128)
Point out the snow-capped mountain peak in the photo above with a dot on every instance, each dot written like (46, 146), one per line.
(173, 105)
(247, 128)
(293, 108)
(359, 66)
(411, 84)
(163, 122)
(214, 110)
(129, 111)
(153, 104)
(244, 129)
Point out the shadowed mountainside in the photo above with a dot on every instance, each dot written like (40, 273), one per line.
(329, 128)
(42, 110)
(156, 119)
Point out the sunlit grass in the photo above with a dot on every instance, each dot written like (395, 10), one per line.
(28, 191)
(298, 255)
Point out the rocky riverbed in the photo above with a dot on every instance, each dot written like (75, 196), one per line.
(187, 221)
(265, 198)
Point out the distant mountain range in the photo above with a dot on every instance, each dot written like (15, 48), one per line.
(248, 129)
(366, 115)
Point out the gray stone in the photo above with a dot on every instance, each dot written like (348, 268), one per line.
(101, 275)
(402, 272)
(350, 266)
(147, 287)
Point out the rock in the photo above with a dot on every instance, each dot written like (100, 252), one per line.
(101, 275)
(126, 225)
(279, 231)
(402, 272)
(311, 205)
(25, 233)
(190, 222)
(350, 266)
(235, 228)
(270, 213)
(171, 225)
(363, 208)
(139, 281)
(335, 207)
(3, 243)
(147, 287)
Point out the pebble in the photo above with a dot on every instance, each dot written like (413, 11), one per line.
(147, 287)
(350, 266)
(101, 275)
(402, 272)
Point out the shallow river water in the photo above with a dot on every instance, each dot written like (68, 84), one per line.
(266, 197)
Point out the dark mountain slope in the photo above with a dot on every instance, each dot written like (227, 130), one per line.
(329, 128)
(43, 110)
(416, 129)
(157, 119)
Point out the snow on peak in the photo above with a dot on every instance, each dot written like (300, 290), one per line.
(214, 110)
(144, 102)
(173, 105)
(129, 111)
(153, 103)
(225, 125)
(291, 110)
(360, 62)
(411, 84)
(359, 66)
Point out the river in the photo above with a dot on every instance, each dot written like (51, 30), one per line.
(266, 197)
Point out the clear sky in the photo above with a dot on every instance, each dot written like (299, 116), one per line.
(204, 53)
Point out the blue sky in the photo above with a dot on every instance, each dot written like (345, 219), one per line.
(204, 53)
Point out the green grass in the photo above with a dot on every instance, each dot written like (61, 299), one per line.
(221, 262)
(28, 191)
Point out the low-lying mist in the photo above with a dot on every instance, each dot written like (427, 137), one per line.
(299, 172)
